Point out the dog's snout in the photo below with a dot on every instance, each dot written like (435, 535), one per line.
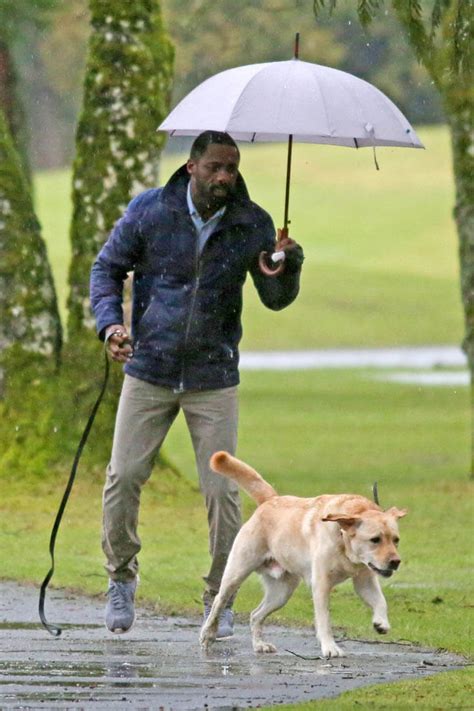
(393, 565)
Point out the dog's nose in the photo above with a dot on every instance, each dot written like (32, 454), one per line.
(393, 565)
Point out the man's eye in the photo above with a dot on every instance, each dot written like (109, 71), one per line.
(375, 539)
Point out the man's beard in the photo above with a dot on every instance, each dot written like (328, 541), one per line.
(219, 195)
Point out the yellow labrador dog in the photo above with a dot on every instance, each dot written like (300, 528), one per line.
(323, 540)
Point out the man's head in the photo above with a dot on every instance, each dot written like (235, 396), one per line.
(213, 165)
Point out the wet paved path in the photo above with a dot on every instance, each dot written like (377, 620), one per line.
(159, 665)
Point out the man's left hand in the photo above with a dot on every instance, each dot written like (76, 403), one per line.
(294, 255)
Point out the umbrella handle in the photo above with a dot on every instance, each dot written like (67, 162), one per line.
(277, 256)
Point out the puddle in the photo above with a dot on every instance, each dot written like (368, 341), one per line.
(39, 626)
(401, 357)
(159, 663)
(437, 378)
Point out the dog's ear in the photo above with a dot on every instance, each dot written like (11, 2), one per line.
(398, 513)
(343, 520)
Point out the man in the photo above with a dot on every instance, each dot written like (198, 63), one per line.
(190, 245)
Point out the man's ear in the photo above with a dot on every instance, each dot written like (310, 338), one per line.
(343, 520)
(190, 165)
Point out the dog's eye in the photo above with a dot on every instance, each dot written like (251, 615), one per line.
(375, 539)
(396, 540)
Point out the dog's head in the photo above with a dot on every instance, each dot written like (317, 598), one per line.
(372, 538)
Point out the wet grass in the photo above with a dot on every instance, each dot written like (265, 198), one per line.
(307, 433)
(449, 690)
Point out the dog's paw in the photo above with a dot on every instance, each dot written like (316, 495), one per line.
(262, 647)
(331, 649)
(381, 626)
(206, 638)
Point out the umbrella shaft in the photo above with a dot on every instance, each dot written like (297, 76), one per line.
(288, 178)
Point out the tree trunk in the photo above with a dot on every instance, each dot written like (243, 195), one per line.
(127, 90)
(12, 107)
(29, 318)
(463, 152)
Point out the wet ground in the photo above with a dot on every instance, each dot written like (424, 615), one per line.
(159, 665)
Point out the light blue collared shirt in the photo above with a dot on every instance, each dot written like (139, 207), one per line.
(203, 229)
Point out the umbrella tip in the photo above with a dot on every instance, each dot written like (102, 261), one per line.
(297, 45)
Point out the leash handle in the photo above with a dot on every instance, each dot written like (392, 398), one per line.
(54, 630)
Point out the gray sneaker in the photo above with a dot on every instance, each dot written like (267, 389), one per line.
(120, 612)
(225, 628)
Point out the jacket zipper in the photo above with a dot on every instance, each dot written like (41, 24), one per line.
(197, 263)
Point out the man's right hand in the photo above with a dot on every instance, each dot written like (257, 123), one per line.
(119, 344)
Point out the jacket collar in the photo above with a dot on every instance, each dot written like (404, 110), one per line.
(239, 208)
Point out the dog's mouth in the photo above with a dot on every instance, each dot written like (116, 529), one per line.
(386, 573)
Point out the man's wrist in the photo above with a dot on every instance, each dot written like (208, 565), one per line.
(116, 329)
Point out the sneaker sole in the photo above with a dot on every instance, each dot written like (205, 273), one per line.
(120, 630)
(222, 639)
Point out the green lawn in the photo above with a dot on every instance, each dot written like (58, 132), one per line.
(381, 269)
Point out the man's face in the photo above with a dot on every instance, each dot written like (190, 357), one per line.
(214, 175)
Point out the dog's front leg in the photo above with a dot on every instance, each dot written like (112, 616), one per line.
(240, 564)
(209, 629)
(367, 586)
(321, 588)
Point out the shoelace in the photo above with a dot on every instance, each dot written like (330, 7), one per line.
(120, 596)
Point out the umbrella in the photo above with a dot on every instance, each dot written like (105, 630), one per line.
(294, 101)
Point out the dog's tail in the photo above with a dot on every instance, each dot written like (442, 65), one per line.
(250, 481)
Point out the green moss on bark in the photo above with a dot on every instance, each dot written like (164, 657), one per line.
(127, 90)
(29, 318)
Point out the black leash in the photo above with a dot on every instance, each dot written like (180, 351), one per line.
(52, 629)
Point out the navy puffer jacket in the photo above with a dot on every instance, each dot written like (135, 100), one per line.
(186, 317)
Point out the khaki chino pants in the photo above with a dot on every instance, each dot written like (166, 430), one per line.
(144, 416)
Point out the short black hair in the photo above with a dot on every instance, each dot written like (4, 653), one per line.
(206, 139)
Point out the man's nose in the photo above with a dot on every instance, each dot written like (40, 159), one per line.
(224, 176)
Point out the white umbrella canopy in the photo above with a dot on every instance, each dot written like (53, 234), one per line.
(294, 101)
(312, 103)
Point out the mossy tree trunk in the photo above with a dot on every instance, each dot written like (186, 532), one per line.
(127, 91)
(463, 152)
(29, 318)
(12, 106)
